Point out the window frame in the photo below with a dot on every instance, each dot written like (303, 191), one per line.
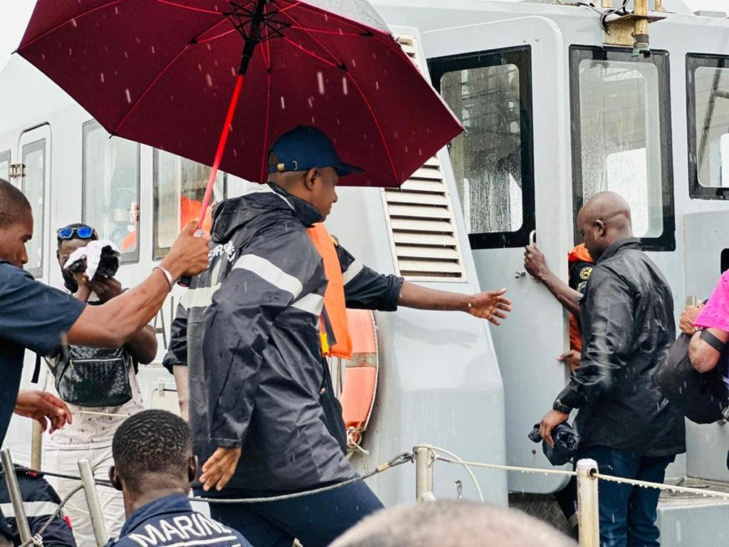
(666, 241)
(126, 258)
(440, 66)
(155, 211)
(32, 146)
(6, 156)
(695, 61)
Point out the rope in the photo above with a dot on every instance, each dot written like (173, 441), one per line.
(23, 469)
(38, 538)
(665, 487)
(397, 460)
(599, 476)
(508, 467)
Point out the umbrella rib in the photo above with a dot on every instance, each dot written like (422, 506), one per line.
(164, 71)
(362, 95)
(376, 33)
(149, 88)
(189, 8)
(330, 32)
(67, 21)
(377, 124)
(311, 53)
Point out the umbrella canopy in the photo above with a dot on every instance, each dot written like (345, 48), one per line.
(162, 72)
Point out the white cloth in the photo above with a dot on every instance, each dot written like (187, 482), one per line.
(92, 254)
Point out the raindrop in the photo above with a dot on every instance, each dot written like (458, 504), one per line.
(138, 40)
(311, 102)
(129, 95)
(152, 50)
(233, 71)
(126, 55)
(354, 63)
(101, 75)
(199, 67)
(377, 85)
(283, 103)
(345, 89)
(209, 80)
(320, 80)
(70, 51)
(74, 23)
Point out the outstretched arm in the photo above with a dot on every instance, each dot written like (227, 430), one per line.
(489, 305)
(536, 265)
(113, 323)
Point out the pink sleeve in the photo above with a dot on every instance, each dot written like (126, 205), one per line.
(716, 312)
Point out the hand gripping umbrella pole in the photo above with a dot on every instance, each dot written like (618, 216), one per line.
(251, 41)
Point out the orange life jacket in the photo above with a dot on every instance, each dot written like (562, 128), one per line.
(335, 309)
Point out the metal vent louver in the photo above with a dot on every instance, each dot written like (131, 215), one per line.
(421, 220)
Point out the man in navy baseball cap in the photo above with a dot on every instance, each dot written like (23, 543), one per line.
(304, 148)
(304, 163)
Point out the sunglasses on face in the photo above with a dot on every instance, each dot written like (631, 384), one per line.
(81, 232)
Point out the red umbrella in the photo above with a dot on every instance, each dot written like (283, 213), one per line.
(170, 73)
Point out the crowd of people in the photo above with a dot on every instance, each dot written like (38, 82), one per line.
(265, 308)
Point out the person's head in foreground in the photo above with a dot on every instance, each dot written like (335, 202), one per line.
(153, 457)
(452, 523)
(16, 224)
(602, 221)
(305, 163)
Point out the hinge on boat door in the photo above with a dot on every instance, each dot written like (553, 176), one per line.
(16, 170)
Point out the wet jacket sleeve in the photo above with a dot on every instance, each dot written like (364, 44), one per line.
(177, 350)
(366, 289)
(272, 272)
(607, 318)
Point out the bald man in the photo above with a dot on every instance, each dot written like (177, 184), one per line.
(625, 423)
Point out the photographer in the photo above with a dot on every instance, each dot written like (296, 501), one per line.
(99, 385)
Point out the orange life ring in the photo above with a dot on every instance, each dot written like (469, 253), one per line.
(359, 376)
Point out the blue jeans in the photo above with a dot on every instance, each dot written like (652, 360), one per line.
(627, 513)
(314, 520)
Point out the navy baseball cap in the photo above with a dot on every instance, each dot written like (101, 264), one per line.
(305, 148)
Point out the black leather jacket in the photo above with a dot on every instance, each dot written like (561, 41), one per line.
(628, 327)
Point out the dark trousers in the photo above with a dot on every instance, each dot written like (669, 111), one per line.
(314, 520)
(627, 513)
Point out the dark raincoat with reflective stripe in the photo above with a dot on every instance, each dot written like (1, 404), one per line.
(628, 327)
(248, 330)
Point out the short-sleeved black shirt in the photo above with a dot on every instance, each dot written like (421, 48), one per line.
(32, 316)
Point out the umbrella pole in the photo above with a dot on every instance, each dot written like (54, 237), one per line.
(251, 41)
(221, 146)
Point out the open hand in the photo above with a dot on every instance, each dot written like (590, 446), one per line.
(490, 305)
(43, 408)
(552, 419)
(219, 468)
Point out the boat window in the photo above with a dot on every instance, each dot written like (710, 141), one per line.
(707, 89)
(491, 93)
(179, 189)
(5, 165)
(111, 188)
(621, 137)
(34, 187)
